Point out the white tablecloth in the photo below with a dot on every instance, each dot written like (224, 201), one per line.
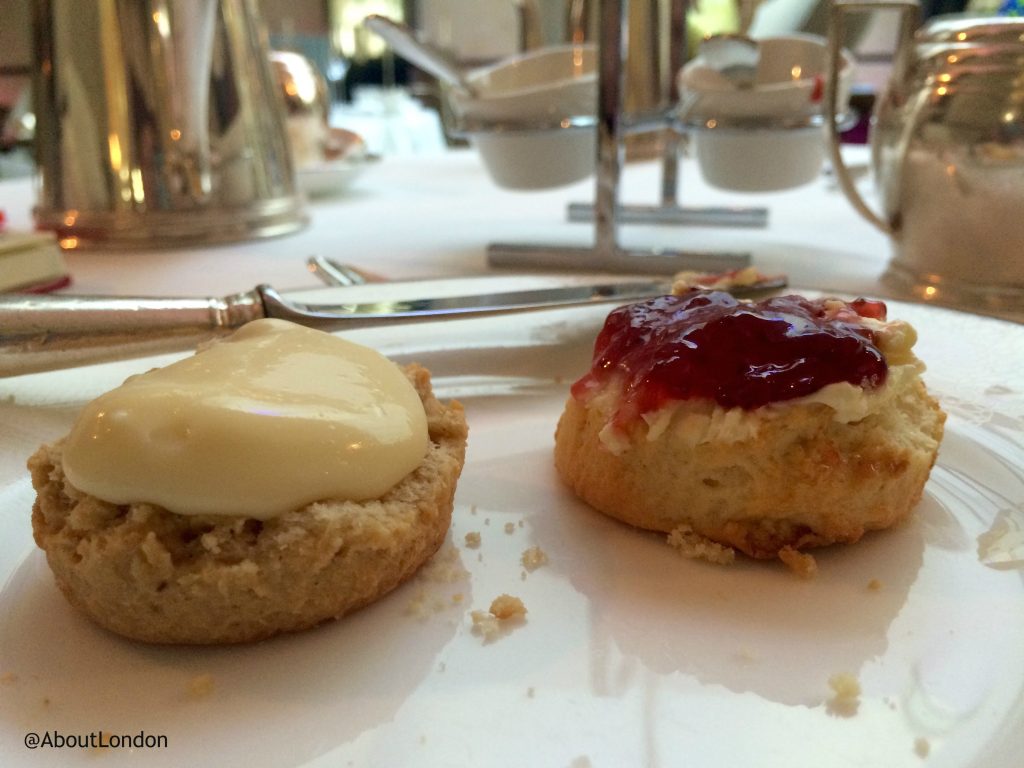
(433, 216)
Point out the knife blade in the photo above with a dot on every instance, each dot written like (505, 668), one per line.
(361, 314)
(40, 333)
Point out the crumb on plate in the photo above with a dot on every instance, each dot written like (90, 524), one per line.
(690, 544)
(800, 563)
(504, 608)
(922, 746)
(485, 624)
(445, 567)
(846, 694)
(507, 607)
(533, 558)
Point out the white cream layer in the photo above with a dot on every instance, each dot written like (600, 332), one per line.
(270, 419)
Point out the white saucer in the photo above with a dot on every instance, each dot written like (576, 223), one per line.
(332, 178)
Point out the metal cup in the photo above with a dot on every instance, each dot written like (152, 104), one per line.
(158, 123)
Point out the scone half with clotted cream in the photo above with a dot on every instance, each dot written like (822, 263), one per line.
(276, 479)
(766, 427)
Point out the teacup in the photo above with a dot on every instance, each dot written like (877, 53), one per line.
(532, 116)
(555, 82)
(768, 136)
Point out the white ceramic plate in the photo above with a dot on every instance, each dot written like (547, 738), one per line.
(629, 656)
(331, 178)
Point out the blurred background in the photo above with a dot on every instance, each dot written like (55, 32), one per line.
(397, 108)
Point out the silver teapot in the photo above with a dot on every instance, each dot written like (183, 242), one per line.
(948, 158)
(159, 123)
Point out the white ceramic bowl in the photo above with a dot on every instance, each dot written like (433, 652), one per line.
(771, 136)
(759, 160)
(517, 120)
(537, 159)
(552, 83)
(789, 81)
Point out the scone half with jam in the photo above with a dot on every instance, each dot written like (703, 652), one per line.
(276, 479)
(767, 427)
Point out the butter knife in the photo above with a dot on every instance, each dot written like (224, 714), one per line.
(47, 332)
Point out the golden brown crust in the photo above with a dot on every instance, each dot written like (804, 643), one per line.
(152, 575)
(805, 480)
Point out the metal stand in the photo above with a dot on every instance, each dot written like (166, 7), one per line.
(606, 254)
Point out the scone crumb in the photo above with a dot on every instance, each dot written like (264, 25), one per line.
(922, 747)
(200, 686)
(875, 585)
(445, 567)
(846, 698)
(800, 563)
(533, 558)
(485, 624)
(473, 539)
(510, 527)
(424, 605)
(504, 608)
(507, 606)
(690, 544)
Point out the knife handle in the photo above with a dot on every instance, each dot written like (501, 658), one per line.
(42, 333)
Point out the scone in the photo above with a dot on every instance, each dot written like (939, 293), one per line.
(245, 569)
(767, 428)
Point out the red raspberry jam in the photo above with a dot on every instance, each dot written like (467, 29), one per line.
(707, 344)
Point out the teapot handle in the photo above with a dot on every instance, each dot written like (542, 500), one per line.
(909, 15)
